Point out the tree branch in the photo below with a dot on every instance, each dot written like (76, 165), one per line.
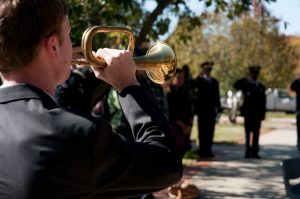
(148, 24)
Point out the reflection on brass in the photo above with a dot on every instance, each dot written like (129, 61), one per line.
(159, 62)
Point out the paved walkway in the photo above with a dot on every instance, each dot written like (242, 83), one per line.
(232, 176)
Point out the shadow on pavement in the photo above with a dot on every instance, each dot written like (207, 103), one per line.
(232, 176)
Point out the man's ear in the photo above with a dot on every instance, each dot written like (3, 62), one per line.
(55, 47)
(52, 44)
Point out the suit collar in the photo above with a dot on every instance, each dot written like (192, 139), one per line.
(23, 92)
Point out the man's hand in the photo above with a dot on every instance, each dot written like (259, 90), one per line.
(120, 69)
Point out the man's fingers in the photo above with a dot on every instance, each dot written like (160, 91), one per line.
(104, 54)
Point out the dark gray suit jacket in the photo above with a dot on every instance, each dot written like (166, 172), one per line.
(49, 152)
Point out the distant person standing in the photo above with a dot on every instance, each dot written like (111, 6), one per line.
(295, 86)
(188, 85)
(253, 109)
(180, 112)
(207, 108)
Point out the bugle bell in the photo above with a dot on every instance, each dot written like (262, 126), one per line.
(159, 62)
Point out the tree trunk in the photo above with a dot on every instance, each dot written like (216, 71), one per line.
(148, 24)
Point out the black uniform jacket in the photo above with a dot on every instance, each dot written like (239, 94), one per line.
(208, 97)
(48, 152)
(254, 99)
(295, 86)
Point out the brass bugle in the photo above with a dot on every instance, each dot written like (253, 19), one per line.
(159, 62)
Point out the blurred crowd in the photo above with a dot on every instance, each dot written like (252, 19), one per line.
(183, 99)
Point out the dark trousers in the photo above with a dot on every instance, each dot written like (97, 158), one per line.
(206, 128)
(252, 125)
(298, 126)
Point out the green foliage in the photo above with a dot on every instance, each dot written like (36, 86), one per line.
(146, 25)
(85, 13)
(234, 45)
(233, 8)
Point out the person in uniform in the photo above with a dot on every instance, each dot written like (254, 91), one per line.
(253, 109)
(207, 108)
(295, 86)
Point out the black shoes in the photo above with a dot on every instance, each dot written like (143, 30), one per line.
(256, 156)
(251, 155)
(206, 155)
(247, 155)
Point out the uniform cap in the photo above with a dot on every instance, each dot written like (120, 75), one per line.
(207, 65)
(254, 69)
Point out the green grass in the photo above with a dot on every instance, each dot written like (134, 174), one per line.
(280, 115)
(229, 133)
(224, 133)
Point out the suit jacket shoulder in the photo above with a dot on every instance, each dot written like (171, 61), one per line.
(66, 154)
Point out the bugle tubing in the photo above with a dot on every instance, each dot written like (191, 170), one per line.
(159, 62)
